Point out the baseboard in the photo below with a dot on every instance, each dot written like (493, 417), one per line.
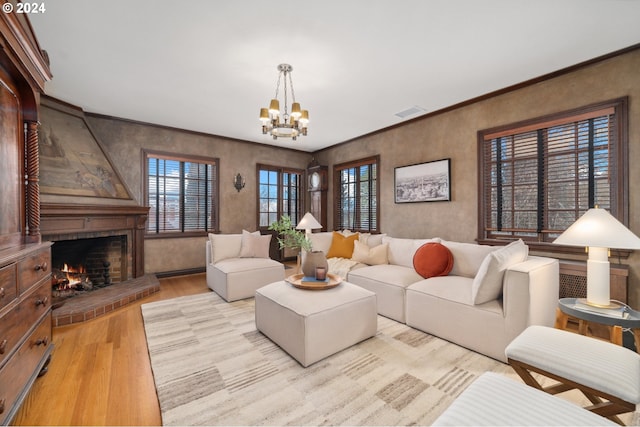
(180, 272)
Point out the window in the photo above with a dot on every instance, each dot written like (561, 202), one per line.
(279, 193)
(357, 189)
(537, 178)
(182, 194)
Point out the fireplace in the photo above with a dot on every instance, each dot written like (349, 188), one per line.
(91, 236)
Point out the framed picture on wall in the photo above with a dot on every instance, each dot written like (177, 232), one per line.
(423, 182)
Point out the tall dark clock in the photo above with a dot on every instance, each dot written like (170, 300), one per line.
(317, 185)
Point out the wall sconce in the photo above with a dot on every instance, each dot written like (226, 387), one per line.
(238, 182)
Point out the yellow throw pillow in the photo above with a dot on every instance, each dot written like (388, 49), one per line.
(342, 246)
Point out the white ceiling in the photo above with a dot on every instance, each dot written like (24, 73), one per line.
(209, 65)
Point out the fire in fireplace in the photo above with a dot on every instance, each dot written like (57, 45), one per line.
(84, 264)
(68, 281)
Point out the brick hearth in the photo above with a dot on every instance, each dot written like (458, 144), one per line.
(97, 303)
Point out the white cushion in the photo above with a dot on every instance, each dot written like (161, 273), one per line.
(487, 285)
(495, 400)
(321, 241)
(371, 240)
(254, 245)
(401, 251)
(225, 246)
(467, 257)
(594, 363)
(372, 256)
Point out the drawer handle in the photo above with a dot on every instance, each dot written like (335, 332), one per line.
(2, 293)
(42, 301)
(43, 341)
(42, 267)
(3, 346)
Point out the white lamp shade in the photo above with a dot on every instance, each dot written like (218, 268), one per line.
(598, 228)
(308, 222)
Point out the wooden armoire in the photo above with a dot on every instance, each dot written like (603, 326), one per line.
(25, 282)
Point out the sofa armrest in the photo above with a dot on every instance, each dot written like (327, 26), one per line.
(531, 292)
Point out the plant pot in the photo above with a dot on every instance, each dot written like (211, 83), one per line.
(311, 260)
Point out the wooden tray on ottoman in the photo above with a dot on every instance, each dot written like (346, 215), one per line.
(296, 280)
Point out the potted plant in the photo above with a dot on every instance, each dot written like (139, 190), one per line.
(289, 237)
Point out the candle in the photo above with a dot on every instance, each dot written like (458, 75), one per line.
(321, 273)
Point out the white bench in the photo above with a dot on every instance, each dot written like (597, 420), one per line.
(607, 374)
(313, 324)
(494, 400)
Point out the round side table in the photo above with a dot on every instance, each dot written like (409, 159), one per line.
(567, 307)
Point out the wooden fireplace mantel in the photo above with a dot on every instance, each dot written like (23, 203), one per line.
(68, 219)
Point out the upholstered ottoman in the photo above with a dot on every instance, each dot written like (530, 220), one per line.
(607, 374)
(313, 324)
(495, 400)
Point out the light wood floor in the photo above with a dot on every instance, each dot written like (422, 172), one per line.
(100, 372)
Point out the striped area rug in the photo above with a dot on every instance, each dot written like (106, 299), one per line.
(212, 367)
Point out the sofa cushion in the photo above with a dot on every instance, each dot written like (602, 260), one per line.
(342, 246)
(247, 265)
(370, 255)
(433, 259)
(467, 257)
(487, 285)
(321, 241)
(253, 245)
(401, 251)
(224, 246)
(450, 288)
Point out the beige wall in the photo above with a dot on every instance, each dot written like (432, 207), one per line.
(124, 142)
(451, 134)
(454, 134)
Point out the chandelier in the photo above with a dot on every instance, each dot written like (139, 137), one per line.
(284, 124)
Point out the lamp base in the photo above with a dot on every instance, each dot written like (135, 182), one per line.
(612, 304)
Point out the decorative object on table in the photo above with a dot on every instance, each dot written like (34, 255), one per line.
(283, 124)
(238, 182)
(321, 273)
(424, 182)
(598, 231)
(289, 237)
(311, 283)
(311, 259)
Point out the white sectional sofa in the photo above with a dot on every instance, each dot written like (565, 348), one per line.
(489, 296)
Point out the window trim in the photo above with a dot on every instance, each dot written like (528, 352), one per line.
(215, 226)
(336, 193)
(621, 208)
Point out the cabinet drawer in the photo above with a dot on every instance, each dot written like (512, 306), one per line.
(18, 372)
(15, 324)
(34, 268)
(8, 284)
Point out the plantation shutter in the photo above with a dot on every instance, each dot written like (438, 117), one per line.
(540, 178)
(181, 194)
(357, 195)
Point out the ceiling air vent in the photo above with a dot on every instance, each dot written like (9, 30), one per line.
(413, 111)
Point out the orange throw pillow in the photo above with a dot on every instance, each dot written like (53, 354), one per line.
(341, 246)
(432, 260)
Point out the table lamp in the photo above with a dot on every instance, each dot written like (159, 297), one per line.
(308, 223)
(598, 231)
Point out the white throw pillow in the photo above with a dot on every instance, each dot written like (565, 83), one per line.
(225, 246)
(372, 256)
(467, 257)
(254, 245)
(487, 285)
